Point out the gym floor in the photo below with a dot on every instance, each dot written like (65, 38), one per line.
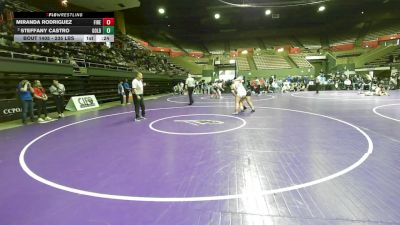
(301, 158)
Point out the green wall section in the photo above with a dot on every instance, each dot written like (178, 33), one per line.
(326, 66)
(207, 73)
(317, 67)
(372, 55)
(8, 65)
(188, 64)
(21, 66)
(330, 63)
(251, 62)
(160, 76)
(109, 73)
(351, 63)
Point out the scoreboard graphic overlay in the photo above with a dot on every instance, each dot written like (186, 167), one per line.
(64, 27)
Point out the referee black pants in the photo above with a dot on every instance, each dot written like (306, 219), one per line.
(139, 103)
(127, 95)
(41, 107)
(190, 90)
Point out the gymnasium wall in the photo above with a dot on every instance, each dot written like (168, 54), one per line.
(96, 81)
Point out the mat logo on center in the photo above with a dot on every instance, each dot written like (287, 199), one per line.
(200, 122)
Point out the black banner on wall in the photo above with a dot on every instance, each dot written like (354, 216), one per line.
(10, 110)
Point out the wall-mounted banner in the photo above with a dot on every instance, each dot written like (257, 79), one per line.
(10, 109)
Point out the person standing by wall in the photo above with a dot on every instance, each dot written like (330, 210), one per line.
(190, 84)
(58, 91)
(137, 92)
(127, 90)
(25, 90)
(181, 88)
(121, 91)
(40, 97)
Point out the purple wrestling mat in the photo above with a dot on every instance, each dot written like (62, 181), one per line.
(299, 159)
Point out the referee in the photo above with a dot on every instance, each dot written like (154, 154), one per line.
(137, 92)
(190, 84)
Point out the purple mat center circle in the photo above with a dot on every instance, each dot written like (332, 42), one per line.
(197, 124)
(198, 158)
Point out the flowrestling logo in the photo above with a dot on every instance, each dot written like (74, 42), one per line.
(200, 122)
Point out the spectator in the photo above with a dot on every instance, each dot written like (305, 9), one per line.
(58, 91)
(286, 86)
(127, 90)
(25, 91)
(181, 87)
(176, 89)
(39, 94)
(347, 83)
(317, 83)
(121, 91)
